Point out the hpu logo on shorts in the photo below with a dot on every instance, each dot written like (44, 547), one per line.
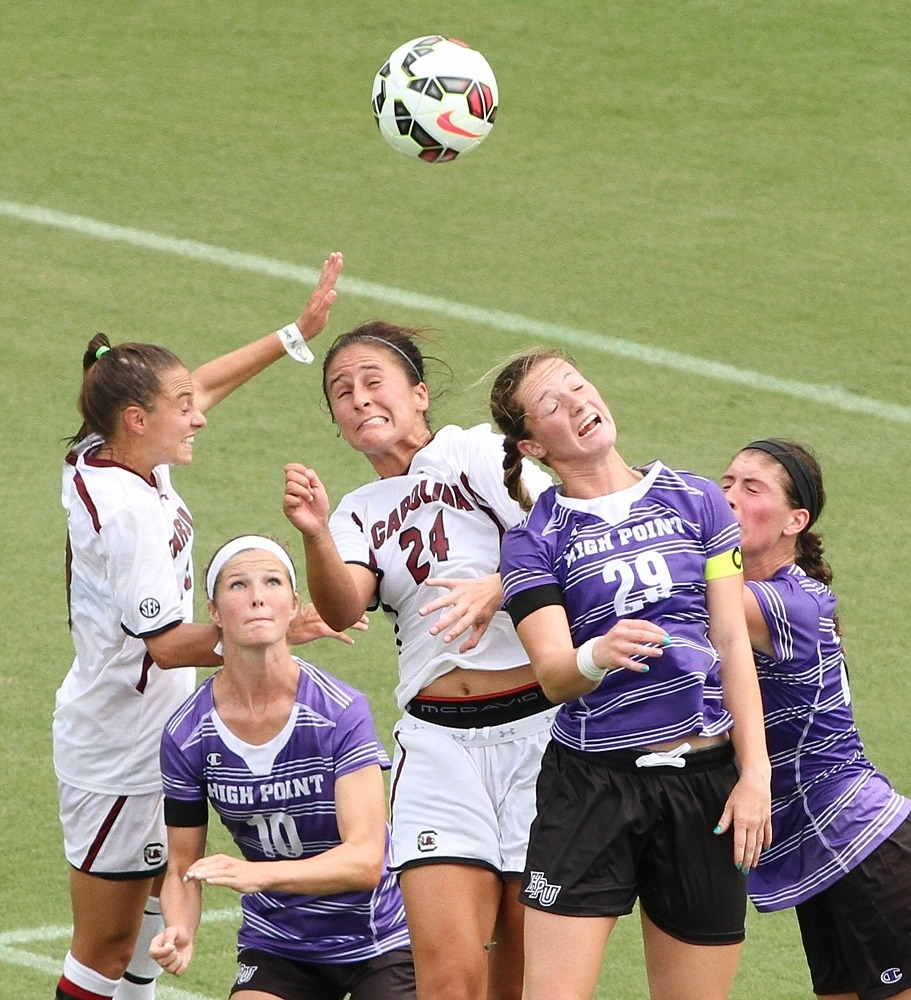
(149, 607)
(427, 841)
(539, 888)
(891, 976)
(153, 854)
(245, 973)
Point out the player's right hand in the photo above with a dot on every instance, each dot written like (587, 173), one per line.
(316, 312)
(172, 949)
(306, 503)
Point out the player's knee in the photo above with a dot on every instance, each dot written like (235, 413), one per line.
(448, 980)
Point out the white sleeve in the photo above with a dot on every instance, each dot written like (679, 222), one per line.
(137, 544)
(346, 525)
(483, 462)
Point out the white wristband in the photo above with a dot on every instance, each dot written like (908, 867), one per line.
(585, 661)
(293, 342)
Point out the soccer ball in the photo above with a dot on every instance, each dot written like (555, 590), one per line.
(435, 98)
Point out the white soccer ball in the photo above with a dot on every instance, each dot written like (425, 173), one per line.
(435, 98)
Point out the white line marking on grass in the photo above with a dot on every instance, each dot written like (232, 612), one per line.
(822, 395)
(11, 955)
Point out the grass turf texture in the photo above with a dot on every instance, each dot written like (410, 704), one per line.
(722, 179)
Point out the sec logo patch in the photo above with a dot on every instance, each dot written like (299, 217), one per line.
(149, 607)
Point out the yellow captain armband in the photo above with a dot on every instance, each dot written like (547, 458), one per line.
(726, 564)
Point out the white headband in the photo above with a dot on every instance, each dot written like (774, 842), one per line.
(243, 544)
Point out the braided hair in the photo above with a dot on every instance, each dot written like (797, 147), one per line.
(510, 417)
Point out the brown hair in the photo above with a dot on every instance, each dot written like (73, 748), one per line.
(809, 547)
(510, 417)
(398, 341)
(127, 375)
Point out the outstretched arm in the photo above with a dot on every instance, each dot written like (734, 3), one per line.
(218, 378)
(341, 592)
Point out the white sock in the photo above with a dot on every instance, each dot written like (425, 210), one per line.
(87, 979)
(138, 981)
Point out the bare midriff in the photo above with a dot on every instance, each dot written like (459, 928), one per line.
(461, 683)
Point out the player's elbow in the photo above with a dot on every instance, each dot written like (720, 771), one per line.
(338, 615)
(166, 650)
(367, 868)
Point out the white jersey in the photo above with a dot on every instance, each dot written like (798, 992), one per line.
(444, 517)
(130, 575)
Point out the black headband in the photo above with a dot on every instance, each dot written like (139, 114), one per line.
(796, 468)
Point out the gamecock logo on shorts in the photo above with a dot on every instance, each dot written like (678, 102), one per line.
(427, 841)
(153, 854)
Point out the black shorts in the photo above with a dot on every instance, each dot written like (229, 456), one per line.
(607, 833)
(386, 977)
(857, 933)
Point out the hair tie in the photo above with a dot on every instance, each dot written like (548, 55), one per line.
(101, 351)
(797, 469)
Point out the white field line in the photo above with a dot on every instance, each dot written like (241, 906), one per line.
(548, 333)
(11, 952)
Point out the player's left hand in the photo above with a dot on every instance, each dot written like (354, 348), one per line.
(172, 949)
(234, 873)
(307, 625)
(313, 319)
(471, 603)
(749, 811)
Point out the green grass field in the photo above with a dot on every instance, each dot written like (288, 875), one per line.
(705, 202)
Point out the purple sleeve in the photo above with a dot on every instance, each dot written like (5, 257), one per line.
(181, 773)
(356, 743)
(720, 531)
(525, 561)
(792, 616)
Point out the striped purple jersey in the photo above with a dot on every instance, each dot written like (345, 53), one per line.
(831, 808)
(277, 801)
(639, 553)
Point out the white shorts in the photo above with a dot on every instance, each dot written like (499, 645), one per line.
(114, 836)
(465, 796)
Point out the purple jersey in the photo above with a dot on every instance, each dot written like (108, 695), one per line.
(639, 553)
(277, 801)
(830, 807)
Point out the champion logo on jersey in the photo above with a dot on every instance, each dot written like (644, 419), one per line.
(149, 607)
(213, 759)
(427, 841)
(153, 854)
(245, 973)
(891, 976)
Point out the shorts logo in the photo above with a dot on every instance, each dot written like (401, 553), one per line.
(427, 841)
(245, 973)
(149, 607)
(891, 976)
(539, 888)
(153, 854)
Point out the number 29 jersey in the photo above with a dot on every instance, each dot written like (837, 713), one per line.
(444, 517)
(642, 553)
